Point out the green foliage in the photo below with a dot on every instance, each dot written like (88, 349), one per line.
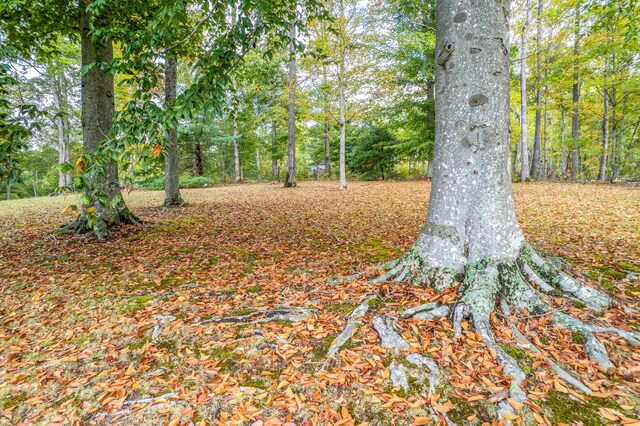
(157, 183)
(14, 123)
(372, 156)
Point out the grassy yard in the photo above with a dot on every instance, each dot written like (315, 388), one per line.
(88, 327)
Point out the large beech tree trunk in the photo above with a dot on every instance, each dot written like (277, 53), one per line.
(97, 98)
(172, 195)
(471, 215)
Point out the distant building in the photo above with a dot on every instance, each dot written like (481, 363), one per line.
(318, 170)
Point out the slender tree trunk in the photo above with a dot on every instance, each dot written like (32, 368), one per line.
(236, 148)
(343, 123)
(8, 191)
(223, 170)
(258, 163)
(524, 146)
(60, 101)
(343, 129)
(544, 137)
(575, 117)
(602, 172)
(172, 195)
(619, 136)
(535, 157)
(97, 98)
(198, 169)
(290, 178)
(274, 147)
(563, 153)
(327, 146)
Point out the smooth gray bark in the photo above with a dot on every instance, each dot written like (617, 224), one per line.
(236, 148)
(575, 117)
(535, 155)
(343, 122)
(97, 98)
(545, 119)
(524, 146)
(172, 195)
(258, 166)
(471, 213)
(327, 146)
(616, 163)
(290, 178)
(274, 145)
(602, 172)
(563, 154)
(60, 100)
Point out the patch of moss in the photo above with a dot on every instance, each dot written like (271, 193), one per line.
(375, 304)
(12, 400)
(227, 358)
(242, 311)
(560, 408)
(134, 304)
(629, 267)
(608, 271)
(519, 355)
(256, 382)
(342, 308)
(462, 409)
(577, 337)
(633, 324)
(320, 350)
(186, 250)
(254, 289)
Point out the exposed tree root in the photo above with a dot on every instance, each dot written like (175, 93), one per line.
(411, 268)
(485, 283)
(559, 370)
(350, 327)
(99, 227)
(291, 315)
(389, 337)
(151, 402)
(548, 278)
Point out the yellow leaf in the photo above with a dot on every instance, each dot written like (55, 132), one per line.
(419, 421)
(515, 404)
(607, 415)
(511, 416)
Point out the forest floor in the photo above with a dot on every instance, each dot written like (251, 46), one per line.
(108, 332)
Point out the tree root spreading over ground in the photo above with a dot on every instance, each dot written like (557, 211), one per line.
(486, 284)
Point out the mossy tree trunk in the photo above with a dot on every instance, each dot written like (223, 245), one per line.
(97, 98)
